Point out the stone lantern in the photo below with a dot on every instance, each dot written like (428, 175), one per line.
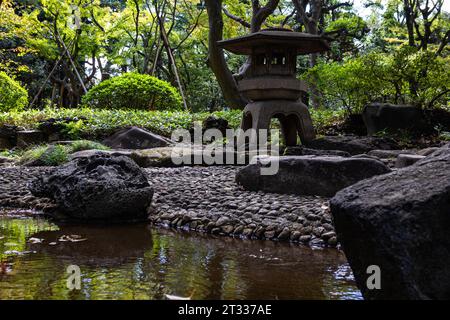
(270, 82)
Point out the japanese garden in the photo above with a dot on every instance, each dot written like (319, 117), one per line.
(224, 150)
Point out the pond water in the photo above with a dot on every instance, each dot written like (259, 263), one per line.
(142, 262)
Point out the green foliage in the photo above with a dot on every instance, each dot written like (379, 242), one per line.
(12, 95)
(72, 129)
(8, 154)
(133, 91)
(105, 122)
(54, 155)
(102, 122)
(325, 118)
(445, 136)
(342, 86)
(47, 155)
(406, 76)
(81, 145)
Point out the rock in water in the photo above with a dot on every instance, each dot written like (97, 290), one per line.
(399, 222)
(308, 175)
(136, 138)
(100, 187)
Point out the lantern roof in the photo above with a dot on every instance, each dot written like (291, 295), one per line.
(304, 42)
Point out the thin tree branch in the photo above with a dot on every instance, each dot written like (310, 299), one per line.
(236, 18)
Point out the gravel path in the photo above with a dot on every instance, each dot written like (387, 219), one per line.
(205, 199)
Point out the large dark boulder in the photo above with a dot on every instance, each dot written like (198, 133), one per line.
(136, 138)
(308, 175)
(100, 187)
(385, 116)
(399, 222)
(352, 144)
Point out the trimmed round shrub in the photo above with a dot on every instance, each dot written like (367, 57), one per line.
(133, 91)
(12, 95)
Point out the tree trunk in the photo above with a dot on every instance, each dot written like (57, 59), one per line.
(409, 19)
(216, 58)
(311, 23)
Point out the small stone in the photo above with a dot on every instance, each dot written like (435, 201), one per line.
(259, 232)
(328, 235)
(211, 225)
(305, 238)
(238, 230)
(291, 217)
(295, 235)
(269, 234)
(285, 234)
(306, 230)
(332, 241)
(222, 221)
(318, 231)
(273, 213)
(232, 206)
(193, 224)
(227, 229)
(247, 232)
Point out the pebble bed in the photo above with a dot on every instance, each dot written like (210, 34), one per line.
(14, 193)
(207, 200)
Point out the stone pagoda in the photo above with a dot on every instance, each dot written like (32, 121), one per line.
(270, 82)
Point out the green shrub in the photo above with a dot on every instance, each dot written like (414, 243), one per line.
(133, 91)
(12, 95)
(445, 136)
(325, 118)
(81, 145)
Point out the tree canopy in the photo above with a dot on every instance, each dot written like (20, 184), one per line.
(383, 50)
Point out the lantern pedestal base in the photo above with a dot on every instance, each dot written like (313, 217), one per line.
(294, 118)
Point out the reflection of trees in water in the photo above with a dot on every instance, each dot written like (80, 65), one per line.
(14, 233)
(111, 259)
(132, 262)
(232, 268)
(104, 246)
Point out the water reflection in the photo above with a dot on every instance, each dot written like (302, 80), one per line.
(138, 262)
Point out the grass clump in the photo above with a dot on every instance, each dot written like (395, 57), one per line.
(81, 145)
(8, 154)
(44, 155)
(54, 155)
